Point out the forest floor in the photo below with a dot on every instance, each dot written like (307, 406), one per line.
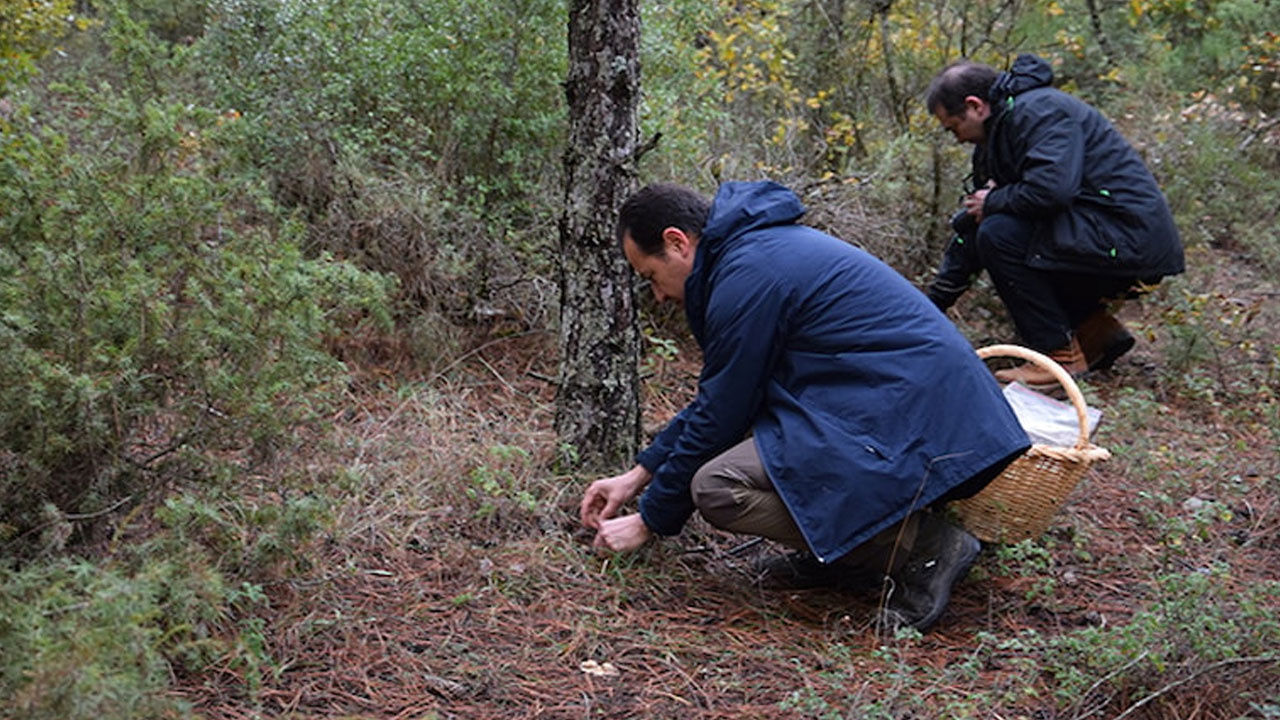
(455, 581)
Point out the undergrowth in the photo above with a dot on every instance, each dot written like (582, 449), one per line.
(186, 534)
(175, 596)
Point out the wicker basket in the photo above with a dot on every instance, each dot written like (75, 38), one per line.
(1020, 502)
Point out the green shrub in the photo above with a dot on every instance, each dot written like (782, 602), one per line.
(28, 29)
(1221, 179)
(157, 323)
(444, 86)
(103, 640)
(251, 539)
(81, 642)
(1196, 622)
(414, 139)
(173, 21)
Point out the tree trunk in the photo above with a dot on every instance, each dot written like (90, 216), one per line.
(597, 415)
(899, 106)
(1095, 19)
(828, 75)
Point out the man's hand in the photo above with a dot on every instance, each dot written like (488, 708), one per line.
(604, 497)
(622, 534)
(973, 203)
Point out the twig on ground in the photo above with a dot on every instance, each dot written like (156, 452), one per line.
(1202, 671)
(1085, 695)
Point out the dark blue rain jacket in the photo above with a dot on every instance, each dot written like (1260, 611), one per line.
(864, 400)
(1058, 161)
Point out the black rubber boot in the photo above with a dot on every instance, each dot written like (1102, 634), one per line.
(920, 591)
(800, 570)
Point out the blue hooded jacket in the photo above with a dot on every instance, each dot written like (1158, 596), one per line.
(865, 402)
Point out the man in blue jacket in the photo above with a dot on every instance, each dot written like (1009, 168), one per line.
(1064, 217)
(835, 401)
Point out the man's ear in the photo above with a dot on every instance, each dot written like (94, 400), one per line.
(978, 105)
(677, 241)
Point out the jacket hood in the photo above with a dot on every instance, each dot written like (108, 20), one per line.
(1028, 72)
(740, 207)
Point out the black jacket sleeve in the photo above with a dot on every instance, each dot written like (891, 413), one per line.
(959, 263)
(1046, 143)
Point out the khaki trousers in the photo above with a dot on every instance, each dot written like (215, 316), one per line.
(733, 492)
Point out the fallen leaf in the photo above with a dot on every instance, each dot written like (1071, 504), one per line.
(591, 667)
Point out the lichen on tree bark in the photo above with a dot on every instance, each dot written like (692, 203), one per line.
(597, 401)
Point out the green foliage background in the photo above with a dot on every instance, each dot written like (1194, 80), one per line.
(201, 200)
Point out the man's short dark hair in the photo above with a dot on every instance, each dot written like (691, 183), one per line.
(956, 82)
(657, 207)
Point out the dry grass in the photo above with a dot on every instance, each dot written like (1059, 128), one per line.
(456, 583)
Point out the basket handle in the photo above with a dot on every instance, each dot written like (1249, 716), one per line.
(1062, 376)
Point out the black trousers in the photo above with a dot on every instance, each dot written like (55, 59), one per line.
(1046, 305)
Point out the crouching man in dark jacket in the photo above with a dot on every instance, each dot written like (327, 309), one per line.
(1064, 215)
(859, 402)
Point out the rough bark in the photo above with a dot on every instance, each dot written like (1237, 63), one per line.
(597, 415)
(826, 73)
(898, 104)
(1095, 20)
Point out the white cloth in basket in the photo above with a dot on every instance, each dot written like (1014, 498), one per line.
(1046, 420)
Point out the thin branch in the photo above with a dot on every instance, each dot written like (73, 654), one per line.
(645, 148)
(555, 381)
(1177, 683)
(1085, 695)
(498, 375)
(105, 511)
(463, 357)
(73, 517)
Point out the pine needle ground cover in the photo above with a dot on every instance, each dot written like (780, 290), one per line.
(456, 582)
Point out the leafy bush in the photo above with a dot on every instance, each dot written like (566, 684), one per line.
(253, 538)
(102, 640)
(157, 324)
(444, 86)
(1198, 622)
(173, 21)
(1221, 177)
(457, 264)
(82, 642)
(28, 29)
(415, 139)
